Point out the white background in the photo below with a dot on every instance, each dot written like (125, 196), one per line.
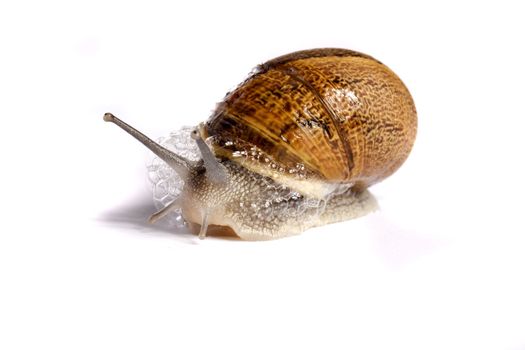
(441, 266)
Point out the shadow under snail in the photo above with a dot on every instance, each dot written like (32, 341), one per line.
(296, 145)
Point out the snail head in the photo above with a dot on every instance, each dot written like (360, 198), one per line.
(208, 171)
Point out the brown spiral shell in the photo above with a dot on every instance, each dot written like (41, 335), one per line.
(342, 114)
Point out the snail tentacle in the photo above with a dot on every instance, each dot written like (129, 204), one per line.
(176, 204)
(179, 164)
(215, 171)
(204, 224)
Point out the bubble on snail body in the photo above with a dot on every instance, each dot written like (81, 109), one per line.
(279, 206)
(167, 184)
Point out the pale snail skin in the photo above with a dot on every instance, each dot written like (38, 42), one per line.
(342, 117)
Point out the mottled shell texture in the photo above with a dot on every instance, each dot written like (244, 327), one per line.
(335, 115)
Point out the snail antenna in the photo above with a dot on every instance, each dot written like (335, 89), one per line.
(214, 170)
(176, 204)
(204, 224)
(179, 164)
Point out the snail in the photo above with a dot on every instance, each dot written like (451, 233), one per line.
(294, 146)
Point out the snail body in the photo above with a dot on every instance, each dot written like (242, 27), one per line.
(296, 145)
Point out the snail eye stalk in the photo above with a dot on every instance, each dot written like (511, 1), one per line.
(176, 162)
(214, 170)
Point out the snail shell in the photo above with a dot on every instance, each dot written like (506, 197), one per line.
(344, 115)
(296, 145)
